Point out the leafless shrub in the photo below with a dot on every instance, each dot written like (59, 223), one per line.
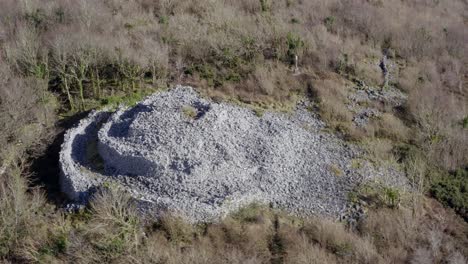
(407, 80)
(331, 94)
(457, 258)
(437, 114)
(270, 81)
(422, 255)
(24, 219)
(301, 250)
(334, 237)
(86, 50)
(249, 6)
(176, 229)
(27, 110)
(157, 59)
(322, 48)
(26, 54)
(379, 150)
(114, 229)
(391, 127)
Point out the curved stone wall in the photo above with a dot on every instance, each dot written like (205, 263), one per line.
(177, 151)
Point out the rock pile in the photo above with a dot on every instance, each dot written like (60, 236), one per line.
(177, 151)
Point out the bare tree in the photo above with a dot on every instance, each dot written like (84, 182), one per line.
(61, 58)
(416, 170)
(26, 54)
(80, 62)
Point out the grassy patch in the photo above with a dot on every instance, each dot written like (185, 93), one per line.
(335, 170)
(381, 152)
(452, 190)
(190, 111)
(378, 195)
(125, 99)
(464, 122)
(251, 213)
(357, 163)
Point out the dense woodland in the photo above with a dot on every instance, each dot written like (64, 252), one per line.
(61, 58)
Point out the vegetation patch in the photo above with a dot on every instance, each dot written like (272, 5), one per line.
(335, 170)
(116, 52)
(190, 111)
(376, 194)
(452, 190)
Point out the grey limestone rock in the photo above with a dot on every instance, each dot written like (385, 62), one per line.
(208, 163)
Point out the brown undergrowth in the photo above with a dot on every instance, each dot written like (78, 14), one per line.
(62, 57)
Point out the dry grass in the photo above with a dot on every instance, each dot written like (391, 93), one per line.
(111, 231)
(24, 103)
(302, 250)
(335, 170)
(332, 98)
(389, 126)
(126, 46)
(333, 237)
(378, 149)
(28, 224)
(438, 115)
(71, 55)
(189, 111)
(394, 231)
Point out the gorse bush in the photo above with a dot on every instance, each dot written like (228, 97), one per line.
(452, 190)
(295, 44)
(378, 195)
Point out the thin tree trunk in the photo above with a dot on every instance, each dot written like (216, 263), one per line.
(80, 83)
(154, 75)
(80, 86)
(98, 84)
(67, 89)
(93, 83)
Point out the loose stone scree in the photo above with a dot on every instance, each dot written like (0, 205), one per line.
(176, 151)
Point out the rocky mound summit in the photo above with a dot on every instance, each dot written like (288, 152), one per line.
(179, 152)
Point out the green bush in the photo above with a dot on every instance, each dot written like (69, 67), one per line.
(329, 22)
(465, 122)
(452, 190)
(130, 99)
(377, 195)
(295, 44)
(265, 4)
(295, 20)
